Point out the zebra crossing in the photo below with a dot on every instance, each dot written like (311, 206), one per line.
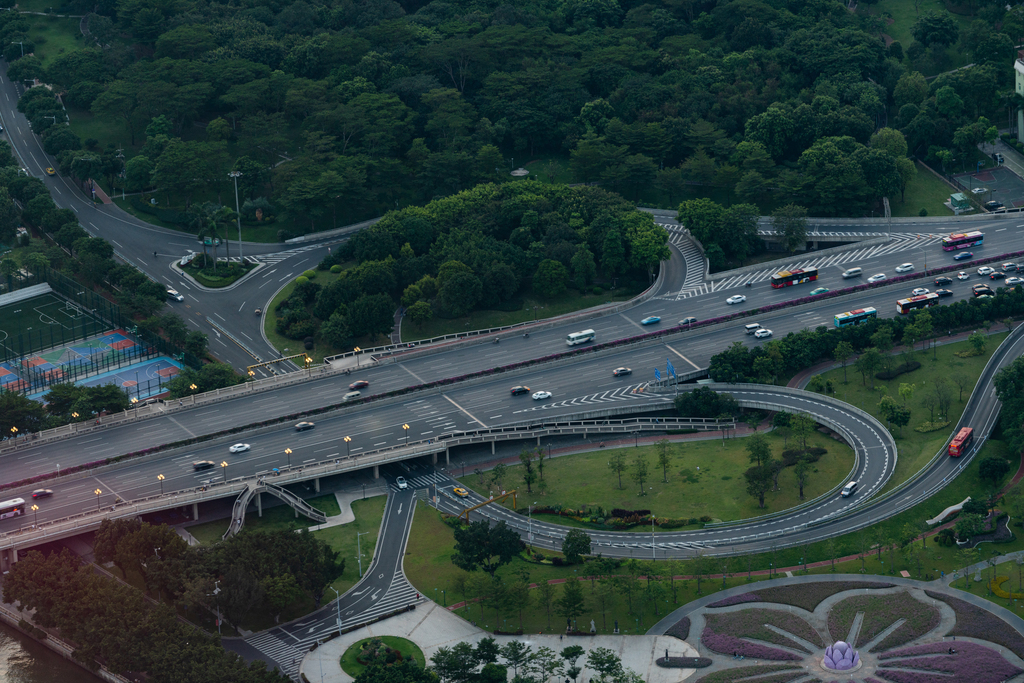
(399, 594)
(287, 654)
(628, 393)
(278, 256)
(899, 242)
(424, 481)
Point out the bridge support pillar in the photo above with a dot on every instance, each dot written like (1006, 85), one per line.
(538, 440)
(433, 458)
(259, 504)
(492, 448)
(8, 558)
(447, 456)
(316, 484)
(376, 471)
(195, 512)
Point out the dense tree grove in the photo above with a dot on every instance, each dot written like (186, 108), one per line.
(477, 249)
(338, 110)
(112, 623)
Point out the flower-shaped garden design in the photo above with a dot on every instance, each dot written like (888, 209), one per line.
(903, 634)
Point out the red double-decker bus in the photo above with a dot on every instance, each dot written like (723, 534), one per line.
(796, 276)
(961, 442)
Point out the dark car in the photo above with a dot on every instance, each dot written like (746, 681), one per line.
(998, 275)
(944, 292)
(940, 281)
(688, 321)
(303, 426)
(621, 372)
(983, 291)
(359, 384)
(993, 205)
(42, 493)
(963, 256)
(520, 390)
(200, 465)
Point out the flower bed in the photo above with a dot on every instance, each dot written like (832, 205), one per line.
(999, 534)
(730, 675)
(996, 586)
(680, 630)
(751, 623)
(975, 622)
(880, 612)
(809, 595)
(729, 645)
(737, 600)
(972, 662)
(683, 662)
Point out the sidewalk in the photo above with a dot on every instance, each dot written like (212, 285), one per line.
(431, 626)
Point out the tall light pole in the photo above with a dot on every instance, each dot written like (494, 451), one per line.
(135, 402)
(35, 509)
(161, 478)
(530, 508)
(359, 551)
(216, 589)
(358, 351)
(337, 603)
(193, 387)
(288, 452)
(238, 214)
(309, 364)
(348, 440)
(224, 469)
(98, 492)
(406, 428)
(75, 416)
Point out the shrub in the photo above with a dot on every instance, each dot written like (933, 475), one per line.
(625, 514)
(311, 274)
(302, 279)
(335, 269)
(693, 520)
(898, 370)
(557, 561)
(922, 212)
(705, 519)
(598, 291)
(792, 456)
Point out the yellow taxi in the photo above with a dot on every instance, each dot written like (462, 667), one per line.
(460, 492)
(50, 171)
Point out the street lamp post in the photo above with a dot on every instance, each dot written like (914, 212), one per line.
(338, 604)
(359, 551)
(252, 379)
(530, 508)
(193, 387)
(406, 428)
(161, 478)
(347, 440)
(98, 492)
(14, 434)
(358, 351)
(238, 215)
(309, 366)
(288, 452)
(135, 402)
(35, 509)
(75, 416)
(224, 469)
(216, 589)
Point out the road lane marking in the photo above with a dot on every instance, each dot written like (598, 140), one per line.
(695, 366)
(420, 379)
(465, 411)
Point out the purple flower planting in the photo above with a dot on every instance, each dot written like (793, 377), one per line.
(841, 657)
(726, 644)
(736, 600)
(970, 662)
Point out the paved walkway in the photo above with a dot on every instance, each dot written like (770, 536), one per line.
(345, 499)
(431, 626)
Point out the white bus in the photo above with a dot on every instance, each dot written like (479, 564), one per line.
(580, 337)
(12, 508)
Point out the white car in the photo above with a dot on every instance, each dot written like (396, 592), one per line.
(737, 299)
(918, 291)
(541, 395)
(877, 277)
(239, 448)
(401, 483)
(963, 275)
(986, 270)
(763, 333)
(980, 190)
(1014, 281)
(904, 267)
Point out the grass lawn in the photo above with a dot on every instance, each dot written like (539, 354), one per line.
(915, 448)
(343, 539)
(900, 17)
(409, 650)
(570, 301)
(431, 544)
(704, 478)
(925, 191)
(53, 36)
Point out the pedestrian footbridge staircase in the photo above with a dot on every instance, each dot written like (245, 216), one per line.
(253, 489)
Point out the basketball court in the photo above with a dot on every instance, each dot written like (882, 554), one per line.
(140, 381)
(1001, 184)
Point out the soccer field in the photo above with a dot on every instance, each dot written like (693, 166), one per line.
(43, 322)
